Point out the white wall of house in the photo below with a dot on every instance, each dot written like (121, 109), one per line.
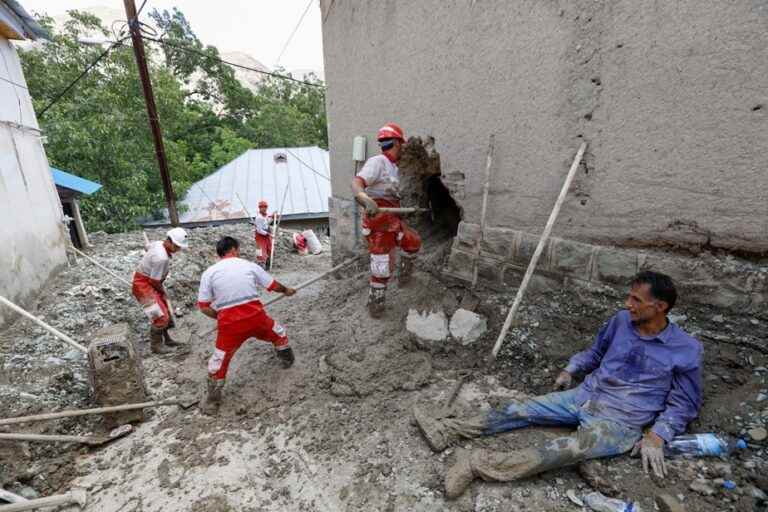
(32, 238)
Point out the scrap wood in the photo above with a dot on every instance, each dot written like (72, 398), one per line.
(102, 267)
(183, 403)
(75, 496)
(10, 497)
(42, 324)
(89, 440)
(539, 249)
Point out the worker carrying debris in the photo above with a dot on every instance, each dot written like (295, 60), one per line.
(378, 185)
(263, 235)
(149, 290)
(642, 370)
(229, 292)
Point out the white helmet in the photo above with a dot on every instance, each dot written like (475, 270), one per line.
(179, 237)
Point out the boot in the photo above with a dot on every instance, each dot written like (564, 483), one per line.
(156, 341)
(440, 433)
(211, 401)
(170, 342)
(460, 475)
(407, 263)
(376, 301)
(286, 357)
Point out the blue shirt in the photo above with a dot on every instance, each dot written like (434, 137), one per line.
(639, 380)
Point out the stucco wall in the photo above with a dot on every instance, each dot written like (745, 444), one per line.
(672, 98)
(31, 235)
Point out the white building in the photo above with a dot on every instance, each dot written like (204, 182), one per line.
(32, 236)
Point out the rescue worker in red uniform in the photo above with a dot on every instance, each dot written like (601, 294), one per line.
(378, 185)
(149, 291)
(229, 293)
(263, 235)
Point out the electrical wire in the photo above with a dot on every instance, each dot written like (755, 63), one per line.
(13, 83)
(290, 37)
(219, 59)
(80, 76)
(307, 165)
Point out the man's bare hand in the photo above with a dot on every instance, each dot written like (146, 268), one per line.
(651, 448)
(371, 208)
(563, 381)
(289, 291)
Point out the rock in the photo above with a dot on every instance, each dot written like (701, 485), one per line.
(678, 319)
(761, 397)
(722, 469)
(74, 355)
(427, 326)
(757, 494)
(758, 434)
(718, 319)
(668, 503)
(467, 327)
(702, 487)
(28, 493)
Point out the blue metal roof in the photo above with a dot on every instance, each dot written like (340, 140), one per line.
(72, 182)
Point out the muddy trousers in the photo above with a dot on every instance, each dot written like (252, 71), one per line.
(596, 437)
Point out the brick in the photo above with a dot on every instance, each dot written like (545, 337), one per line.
(526, 246)
(468, 234)
(540, 282)
(460, 264)
(490, 270)
(614, 266)
(499, 242)
(680, 269)
(571, 257)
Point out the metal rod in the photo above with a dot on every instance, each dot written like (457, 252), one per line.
(276, 224)
(539, 249)
(486, 187)
(403, 210)
(149, 98)
(53, 438)
(102, 267)
(42, 324)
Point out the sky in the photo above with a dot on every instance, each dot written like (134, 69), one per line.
(258, 27)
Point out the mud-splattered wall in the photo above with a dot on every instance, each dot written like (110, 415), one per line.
(32, 236)
(672, 98)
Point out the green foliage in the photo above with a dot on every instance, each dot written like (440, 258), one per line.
(99, 129)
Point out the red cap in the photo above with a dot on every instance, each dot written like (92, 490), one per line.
(391, 131)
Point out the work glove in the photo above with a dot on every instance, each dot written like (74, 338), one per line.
(289, 291)
(563, 381)
(371, 208)
(651, 449)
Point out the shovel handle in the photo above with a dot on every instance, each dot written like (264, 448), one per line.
(403, 210)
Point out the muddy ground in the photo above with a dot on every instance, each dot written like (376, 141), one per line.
(334, 432)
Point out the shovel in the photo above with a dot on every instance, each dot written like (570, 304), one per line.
(89, 440)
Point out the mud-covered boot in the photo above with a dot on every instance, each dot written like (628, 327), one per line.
(212, 399)
(460, 475)
(407, 263)
(170, 342)
(286, 357)
(156, 341)
(376, 301)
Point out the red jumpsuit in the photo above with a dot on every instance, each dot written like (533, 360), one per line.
(386, 231)
(148, 284)
(263, 238)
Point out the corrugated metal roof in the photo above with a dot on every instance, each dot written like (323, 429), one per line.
(303, 178)
(18, 20)
(72, 182)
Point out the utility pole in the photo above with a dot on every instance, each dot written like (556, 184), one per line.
(149, 98)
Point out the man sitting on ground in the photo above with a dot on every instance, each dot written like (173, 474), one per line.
(641, 370)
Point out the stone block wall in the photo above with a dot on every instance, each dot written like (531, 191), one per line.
(504, 255)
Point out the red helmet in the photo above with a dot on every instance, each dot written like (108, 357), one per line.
(263, 203)
(391, 131)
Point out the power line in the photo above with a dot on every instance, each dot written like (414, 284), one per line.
(81, 75)
(290, 37)
(307, 165)
(219, 59)
(13, 83)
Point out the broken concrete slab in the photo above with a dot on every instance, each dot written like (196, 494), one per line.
(427, 326)
(467, 327)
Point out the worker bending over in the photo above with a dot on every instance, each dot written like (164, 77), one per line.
(263, 235)
(229, 292)
(642, 370)
(378, 185)
(149, 291)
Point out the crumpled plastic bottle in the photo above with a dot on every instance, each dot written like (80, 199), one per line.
(601, 503)
(704, 445)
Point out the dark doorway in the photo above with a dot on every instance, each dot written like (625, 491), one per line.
(73, 234)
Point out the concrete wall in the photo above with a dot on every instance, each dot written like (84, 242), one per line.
(32, 236)
(672, 98)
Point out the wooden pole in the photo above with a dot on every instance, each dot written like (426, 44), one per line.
(42, 324)
(486, 186)
(149, 98)
(86, 412)
(277, 223)
(403, 210)
(78, 496)
(539, 249)
(102, 267)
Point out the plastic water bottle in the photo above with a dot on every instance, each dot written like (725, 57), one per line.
(601, 503)
(704, 445)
